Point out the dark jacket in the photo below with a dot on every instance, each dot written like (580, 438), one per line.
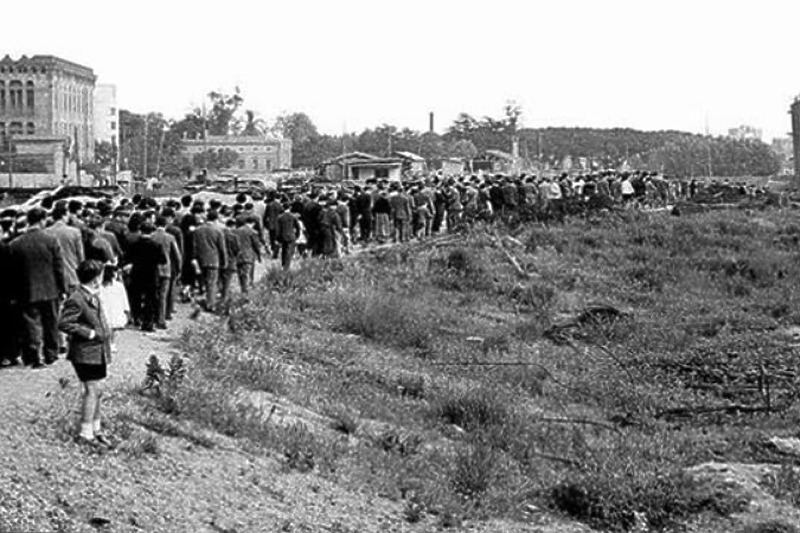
(287, 227)
(249, 245)
(80, 316)
(271, 213)
(401, 206)
(146, 255)
(170, 248)
(209, 247)
(38, 267)
(231, 249)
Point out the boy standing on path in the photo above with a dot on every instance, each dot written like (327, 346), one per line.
(83, 320)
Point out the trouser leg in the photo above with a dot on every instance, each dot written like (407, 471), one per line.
(31, 322)
(48, 311)
(162, 296)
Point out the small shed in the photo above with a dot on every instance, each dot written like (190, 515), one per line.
(412, 162)
(360, 166)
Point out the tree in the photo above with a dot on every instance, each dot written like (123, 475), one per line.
(221, 117)
(252, 126)
(309, 148)
(464, 150)
(105, 154)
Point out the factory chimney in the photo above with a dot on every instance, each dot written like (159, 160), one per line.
(430, 122)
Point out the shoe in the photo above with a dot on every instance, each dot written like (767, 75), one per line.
(36, 365)
(94, 442)
(148, 329)
(161, 326)
(104, 439)
(50, 361)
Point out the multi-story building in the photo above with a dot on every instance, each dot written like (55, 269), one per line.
(256, 155)
(106, 114)
(45, 97)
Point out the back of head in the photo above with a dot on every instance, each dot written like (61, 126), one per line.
(89, 270)
(35, 216)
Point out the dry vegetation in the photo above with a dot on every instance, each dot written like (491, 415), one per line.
(476, 376)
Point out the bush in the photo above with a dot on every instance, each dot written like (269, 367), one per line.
(387, 318)
(471, 407)
(474, 469)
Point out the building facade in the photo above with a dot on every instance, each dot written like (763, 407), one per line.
(48, 97)
(256, 155)
(106, 114)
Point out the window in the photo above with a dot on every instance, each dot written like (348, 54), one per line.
(31, 128)
(112, 111)
(15, 94)
(2, 129)
(381, 172)
(241, 165)
(2, 96)
(113, 125)
(30, 95)
(16, 128)
(255, 163)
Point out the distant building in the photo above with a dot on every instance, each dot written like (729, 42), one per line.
(257, 154)
(48, 96)
(360, 166)
(496, 161)
(745, 133)
(412, 162)
(782, 146)
(46, 118)
(106, 114)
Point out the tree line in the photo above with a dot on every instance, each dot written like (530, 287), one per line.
(151, 143)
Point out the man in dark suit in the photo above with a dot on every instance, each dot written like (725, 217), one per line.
(249, 251)
(39, 281)
(145, 257)
(211, 255)
(166, 271)
(288, 229)
(272, 211)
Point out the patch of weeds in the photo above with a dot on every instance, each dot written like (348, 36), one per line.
(343, 420)
(474, 469)
(608, 500)
(471, 407)
(770, 526)
(393, 441)
(411, 385)
(462, 269)
(784, 484)
(389, 319)
(300, 448)
(143, 444)
(165, 382)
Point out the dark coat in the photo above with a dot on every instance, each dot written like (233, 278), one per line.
(231, 249)
(249, 245)
(38, 267)
(80, 316)
(170, 247)
(209, 247)
(146, 255)
(271, 213)
(287, 227)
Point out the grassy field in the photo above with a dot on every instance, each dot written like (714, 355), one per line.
(577, 368)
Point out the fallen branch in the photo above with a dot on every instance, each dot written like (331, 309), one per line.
(583, 421)
(521, 272)
(727, 409)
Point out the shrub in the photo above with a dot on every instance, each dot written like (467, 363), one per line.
(785, 484)
(471, 407)
(387, 318)
(770, 526)
(474, 469)
(343, 420)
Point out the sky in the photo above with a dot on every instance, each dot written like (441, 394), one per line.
(352, 64)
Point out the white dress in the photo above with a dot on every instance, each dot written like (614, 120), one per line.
(114, 300)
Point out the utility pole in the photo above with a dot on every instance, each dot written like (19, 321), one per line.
(144, 149)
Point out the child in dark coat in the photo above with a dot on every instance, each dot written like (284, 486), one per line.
(84, 321)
